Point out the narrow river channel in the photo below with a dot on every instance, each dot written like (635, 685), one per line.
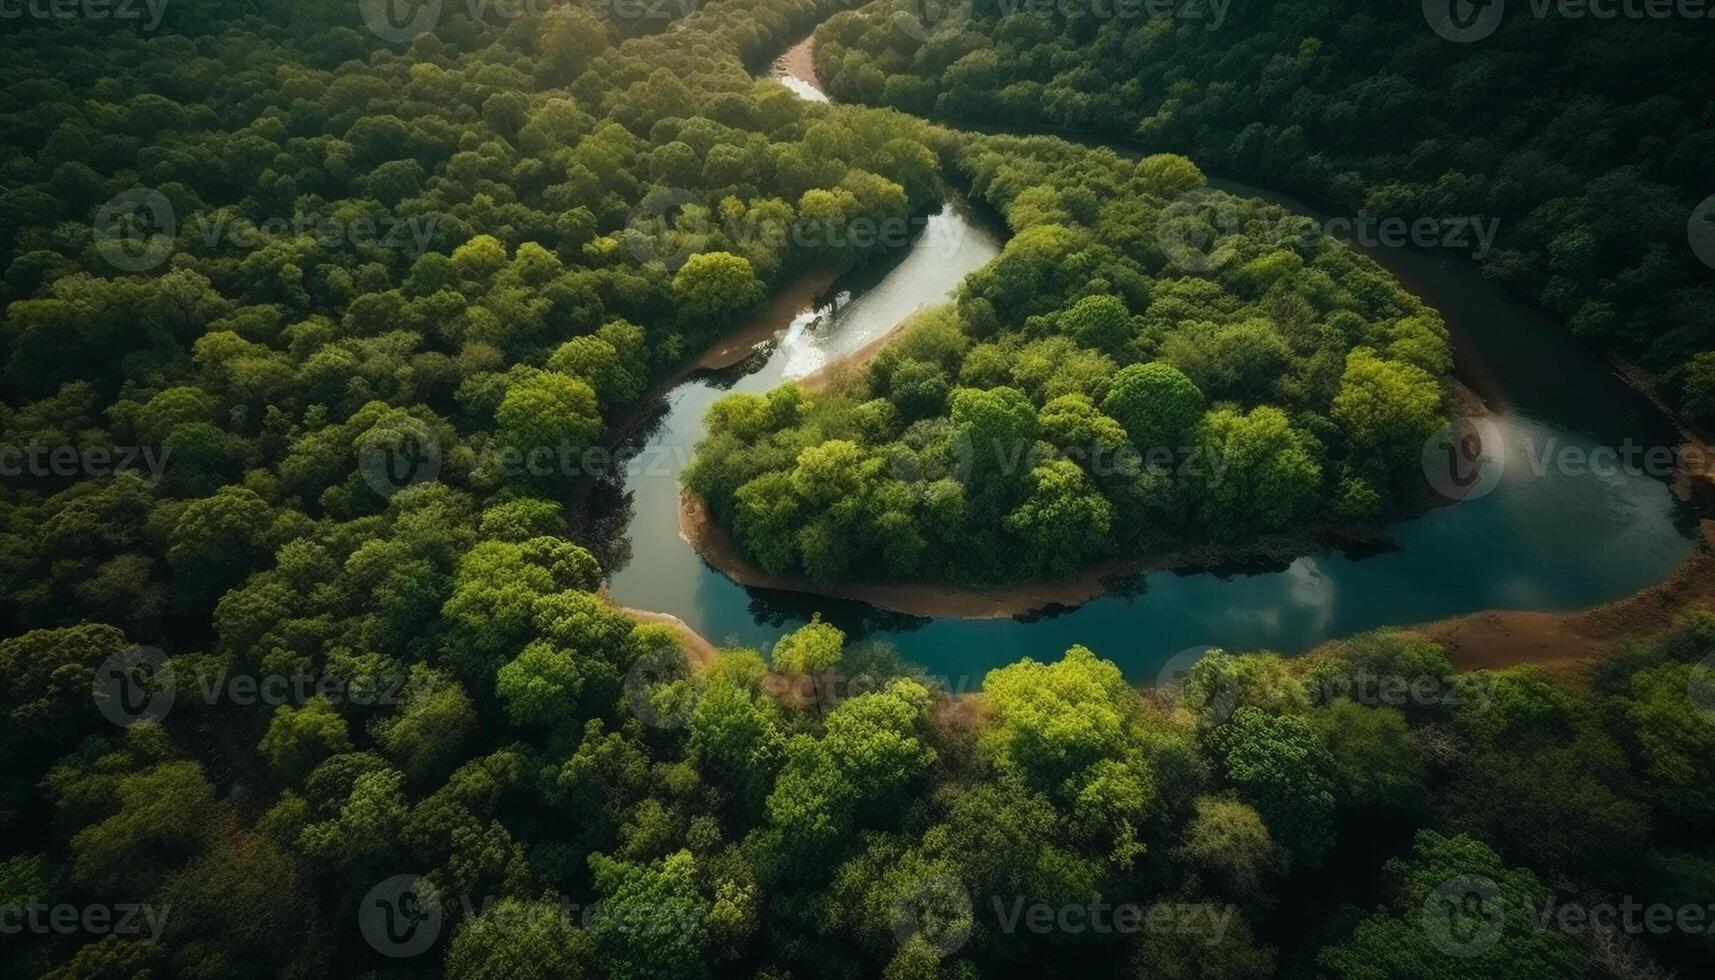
(1547, 537)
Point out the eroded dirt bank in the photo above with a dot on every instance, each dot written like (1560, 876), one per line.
(1502, 638)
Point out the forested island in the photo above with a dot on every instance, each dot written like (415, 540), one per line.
(1103, 389)
(326, 325)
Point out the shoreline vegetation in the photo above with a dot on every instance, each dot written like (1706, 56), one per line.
(1489, 638)
(1044, 360)
(776, 312)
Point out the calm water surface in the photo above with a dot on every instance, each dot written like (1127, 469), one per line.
(1543, 539)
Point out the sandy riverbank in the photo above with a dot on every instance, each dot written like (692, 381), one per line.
(848, 368)
(799, 61)
(1503, 638)
(1486, 640)
(696, 646)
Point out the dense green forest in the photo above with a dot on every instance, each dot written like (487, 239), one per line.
(291, 324)
(1587, 138)
(276, 705)
(1106, 388)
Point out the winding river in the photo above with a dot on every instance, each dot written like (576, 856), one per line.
(1547, 537)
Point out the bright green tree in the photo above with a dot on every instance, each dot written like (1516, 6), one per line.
(714, 287)
(1388, 410)
(809, 651)
(1155, 403)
